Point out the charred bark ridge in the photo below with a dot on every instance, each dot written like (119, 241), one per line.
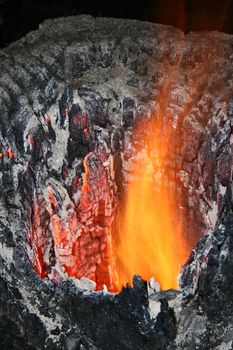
(74, 89)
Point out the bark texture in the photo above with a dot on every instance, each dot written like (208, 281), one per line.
(74, 89)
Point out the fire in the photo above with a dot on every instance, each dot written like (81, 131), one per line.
(151, 242)
(86, 187)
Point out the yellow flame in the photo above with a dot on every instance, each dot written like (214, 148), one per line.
(151, 242)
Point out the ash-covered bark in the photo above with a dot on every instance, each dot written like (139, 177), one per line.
(75, 88)
(207, 288)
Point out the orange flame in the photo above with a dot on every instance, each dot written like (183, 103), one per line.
(85, 187)
(151, 242)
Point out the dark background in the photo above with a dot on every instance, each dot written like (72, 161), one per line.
(19, 17)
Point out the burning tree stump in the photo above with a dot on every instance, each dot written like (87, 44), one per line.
(73, 95)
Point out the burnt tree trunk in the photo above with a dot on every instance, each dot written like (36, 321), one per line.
(73, 90)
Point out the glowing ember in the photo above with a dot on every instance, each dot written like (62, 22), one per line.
(151, 240)
(82, 239)
(148, 238)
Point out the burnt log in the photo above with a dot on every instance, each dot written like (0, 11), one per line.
(71, 94)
